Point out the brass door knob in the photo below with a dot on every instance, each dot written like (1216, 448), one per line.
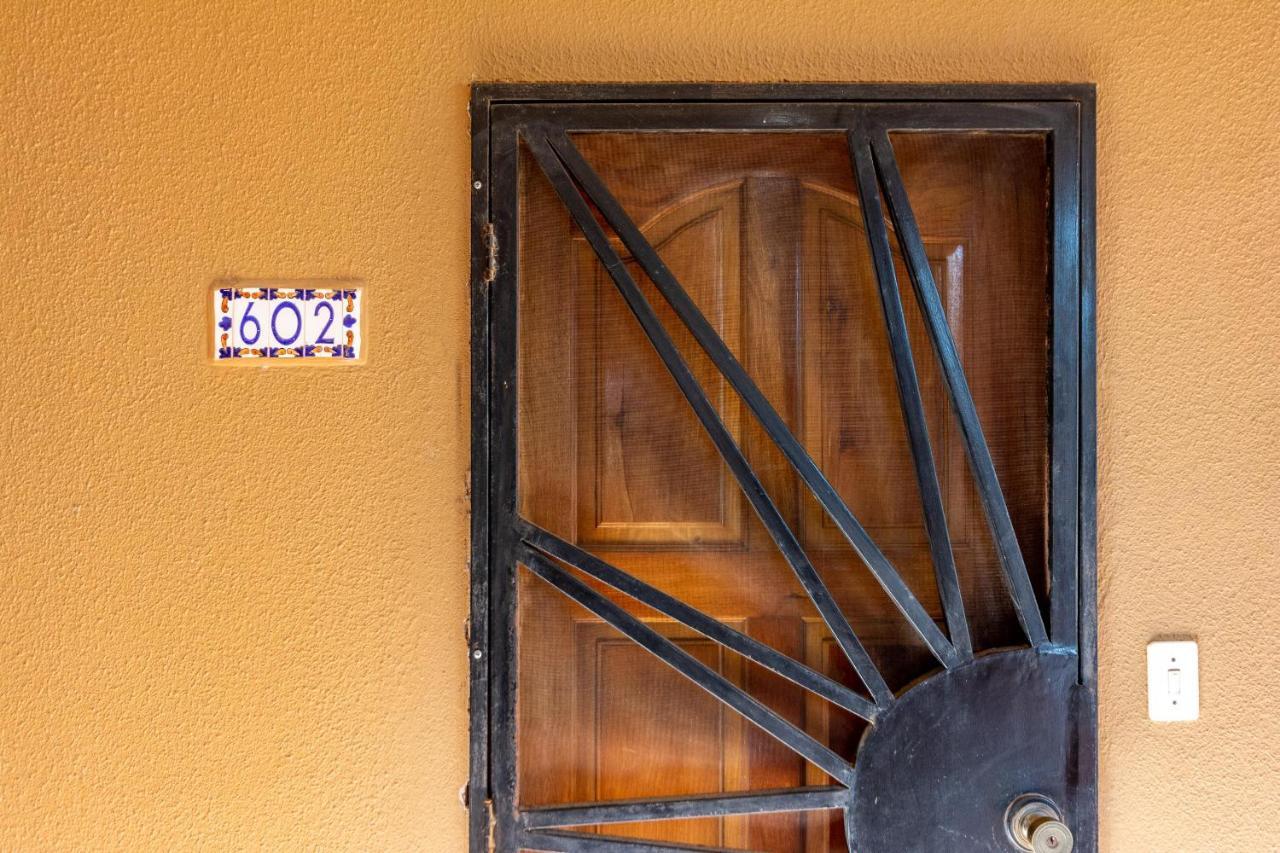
(1052, 836)
(1034, 824)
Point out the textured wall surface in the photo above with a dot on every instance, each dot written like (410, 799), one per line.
(214, 636)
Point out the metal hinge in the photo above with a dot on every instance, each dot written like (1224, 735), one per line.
(490, 238)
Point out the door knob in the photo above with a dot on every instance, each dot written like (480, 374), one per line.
(1034, 824)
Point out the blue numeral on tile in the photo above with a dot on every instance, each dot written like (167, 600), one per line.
(257, 327)
(328, 306)
(297, 322)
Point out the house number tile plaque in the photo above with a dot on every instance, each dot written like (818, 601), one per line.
(314, 322)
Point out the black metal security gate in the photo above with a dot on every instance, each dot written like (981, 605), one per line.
(982, 748)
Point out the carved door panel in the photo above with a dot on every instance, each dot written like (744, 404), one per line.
(781, 476)
(633, 491)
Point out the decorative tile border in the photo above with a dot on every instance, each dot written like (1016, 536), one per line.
(316, 321)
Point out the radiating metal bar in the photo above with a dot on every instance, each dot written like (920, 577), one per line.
(714, 629)
(703, 805)
(774, 425)
(733, 456)
(695, 670)
(944, 347)
(904, 370)
(551, 841)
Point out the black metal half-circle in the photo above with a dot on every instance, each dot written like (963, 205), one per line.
(940, 767)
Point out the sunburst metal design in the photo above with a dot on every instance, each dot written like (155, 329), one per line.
(1045, 672)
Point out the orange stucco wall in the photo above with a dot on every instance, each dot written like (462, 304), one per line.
(213, 635)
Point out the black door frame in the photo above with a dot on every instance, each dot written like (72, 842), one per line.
(498, 114)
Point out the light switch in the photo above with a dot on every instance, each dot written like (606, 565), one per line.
(1173, 681)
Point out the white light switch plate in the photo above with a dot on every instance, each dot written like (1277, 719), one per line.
(1173, 681)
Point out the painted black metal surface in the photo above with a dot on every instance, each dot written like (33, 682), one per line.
(772, 422)
(554, 841)
(668, 605)
(687, 665)
(938, 770)
(948, 356)
(942, 761)
(668, 808)
(734, 458)
(935, 517)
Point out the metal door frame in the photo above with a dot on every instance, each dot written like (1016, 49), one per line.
(499, 111)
